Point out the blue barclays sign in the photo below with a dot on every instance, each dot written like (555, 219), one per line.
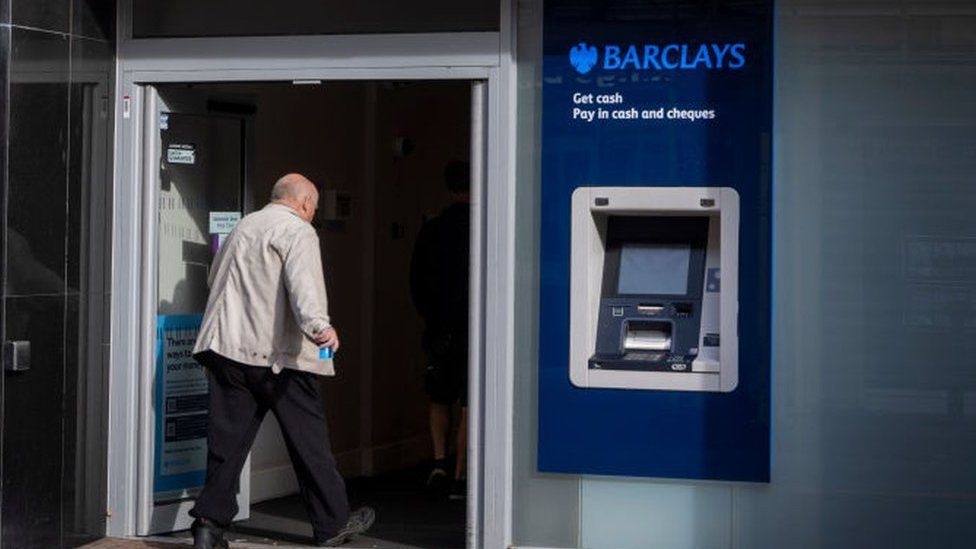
(651, 96)
(714, 56)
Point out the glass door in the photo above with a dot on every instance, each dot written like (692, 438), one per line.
(199, 177)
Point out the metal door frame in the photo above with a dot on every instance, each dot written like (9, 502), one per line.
(477, 57)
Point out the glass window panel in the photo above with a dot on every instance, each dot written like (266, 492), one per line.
(206, 178)
(175, 18)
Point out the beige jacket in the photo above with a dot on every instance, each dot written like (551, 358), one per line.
(267, 294)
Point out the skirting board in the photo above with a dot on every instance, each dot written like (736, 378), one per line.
(280, 481)
(273, 482)
(400, 454)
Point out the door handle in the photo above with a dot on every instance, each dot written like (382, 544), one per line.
(16, 356)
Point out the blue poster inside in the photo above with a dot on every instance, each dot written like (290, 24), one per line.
(180, 457)
(656, 229)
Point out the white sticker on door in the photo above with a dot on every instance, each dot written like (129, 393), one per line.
(223, 222)
(181, 153)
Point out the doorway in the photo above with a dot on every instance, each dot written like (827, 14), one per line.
(378, 151)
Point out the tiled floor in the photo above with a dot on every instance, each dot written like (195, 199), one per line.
(405, 519)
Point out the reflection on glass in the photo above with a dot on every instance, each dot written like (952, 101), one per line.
(201, 180)
(88, 257)
(154, 19)
(208, 179)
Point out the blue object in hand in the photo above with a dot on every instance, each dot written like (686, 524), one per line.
(325, 353)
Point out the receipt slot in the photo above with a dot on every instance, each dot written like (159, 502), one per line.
(654, 288)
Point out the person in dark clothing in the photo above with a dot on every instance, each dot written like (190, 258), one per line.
(439, 287)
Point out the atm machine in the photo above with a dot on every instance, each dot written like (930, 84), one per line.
(654, 288)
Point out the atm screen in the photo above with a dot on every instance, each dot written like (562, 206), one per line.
(658, 269)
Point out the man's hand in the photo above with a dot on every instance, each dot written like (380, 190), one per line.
(327, 338)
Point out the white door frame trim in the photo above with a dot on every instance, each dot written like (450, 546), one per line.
(443, 56)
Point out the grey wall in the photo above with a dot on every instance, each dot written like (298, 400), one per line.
(874, 381)
(56, 70)
(546, 507)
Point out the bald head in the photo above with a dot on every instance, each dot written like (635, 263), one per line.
(293, 186)
(298, 193)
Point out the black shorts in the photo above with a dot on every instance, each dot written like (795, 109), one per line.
(446, 381)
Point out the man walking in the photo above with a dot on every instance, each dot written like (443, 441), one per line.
(266, 319)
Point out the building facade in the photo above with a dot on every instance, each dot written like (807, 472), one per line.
(847, 131)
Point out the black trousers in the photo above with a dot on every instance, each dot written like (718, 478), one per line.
(240, 396)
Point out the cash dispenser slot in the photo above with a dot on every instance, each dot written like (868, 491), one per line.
(644, 335)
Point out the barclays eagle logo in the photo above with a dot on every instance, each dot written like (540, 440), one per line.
(583, 57)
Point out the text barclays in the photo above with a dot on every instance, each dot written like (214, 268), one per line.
(584, 57)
